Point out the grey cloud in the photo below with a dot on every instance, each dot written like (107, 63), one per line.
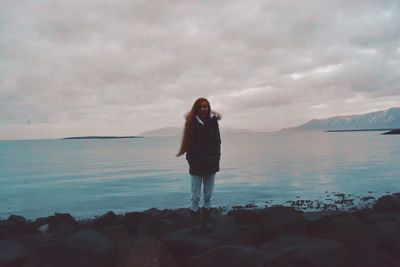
(132, 62)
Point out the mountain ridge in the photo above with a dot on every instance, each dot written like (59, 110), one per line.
(384, 119)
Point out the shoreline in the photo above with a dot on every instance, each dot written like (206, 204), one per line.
(326, 201)
(271, 236)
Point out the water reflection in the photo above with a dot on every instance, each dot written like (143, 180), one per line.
(42, 177)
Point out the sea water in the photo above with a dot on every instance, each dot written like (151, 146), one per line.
(88, 177)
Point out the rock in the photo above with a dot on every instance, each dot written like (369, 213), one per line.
(227, 232)
(183, 244)
(17, 219)
(303, 251)
(41, 221)
(180, 217)
(116, 233)
(62, 223)
(387, 238)
(313, 216)
(132, 221)
(16, 225)
(86, 247)
(38, 223)
(245, 216)
(12, 253)
(374, 259)
(388, 203)
(363, 214)
(240, 234)
(156, 227)
(316, 220)
(233, 256)
(90, 247)
(356, 236)
(108, 219)
(390, 216)
(3, 233)
(9, 227)
(389, 228)
(144, 252)
(41, 240)
(388, 245)
(281, 220)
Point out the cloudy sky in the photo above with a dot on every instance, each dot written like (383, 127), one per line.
(121, 67)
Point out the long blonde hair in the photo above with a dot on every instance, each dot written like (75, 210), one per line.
(189, 124)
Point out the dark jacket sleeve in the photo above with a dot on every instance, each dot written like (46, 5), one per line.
(217, 141)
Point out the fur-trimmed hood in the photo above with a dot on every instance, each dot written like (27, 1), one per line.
(212, 115)
(218, 115)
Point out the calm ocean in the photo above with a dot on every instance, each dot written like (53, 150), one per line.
(90, 177)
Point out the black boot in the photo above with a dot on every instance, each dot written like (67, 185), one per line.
(205, 222)
(195, 215)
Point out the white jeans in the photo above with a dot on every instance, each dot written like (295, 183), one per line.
(208, 188)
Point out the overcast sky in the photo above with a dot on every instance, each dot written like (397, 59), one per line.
(121, 67)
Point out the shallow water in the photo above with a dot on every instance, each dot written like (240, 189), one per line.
(89, 177)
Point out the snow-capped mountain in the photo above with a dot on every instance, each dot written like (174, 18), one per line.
(386, 119)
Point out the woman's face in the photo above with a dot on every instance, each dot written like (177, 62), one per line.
(203, 109)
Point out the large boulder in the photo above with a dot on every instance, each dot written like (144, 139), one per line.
(363, 214)
(388, 216)
(108, 219)
(374, 258)
(388, 203)
(316, 220)
(62, 223)
(356, 236)
(232, 256)
(144, 252)
(279, 221)
(180, 217)
(387, 238)
(303, 251)
(89, 247)
(132, 221)
(12, 253)
(16, 225)
(156, 227)
(86, 247)
(8, 227)
(246, 216)
(116, 233)
(17, 219)
(227, 232)
(184, 244)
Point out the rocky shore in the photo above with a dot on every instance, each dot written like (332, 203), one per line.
(273, 236)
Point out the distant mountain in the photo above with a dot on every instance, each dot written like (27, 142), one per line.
(176, 131)
(166, 131)
(385, 119)
(100, 137)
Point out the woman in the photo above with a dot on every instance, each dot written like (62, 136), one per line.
(202, 144)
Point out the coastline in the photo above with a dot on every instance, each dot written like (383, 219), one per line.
(244, 235)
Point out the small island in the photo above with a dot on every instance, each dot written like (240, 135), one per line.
(359, 130)
(395, 131)
(101, 137)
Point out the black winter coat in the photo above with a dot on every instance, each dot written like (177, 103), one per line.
(204, 150)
